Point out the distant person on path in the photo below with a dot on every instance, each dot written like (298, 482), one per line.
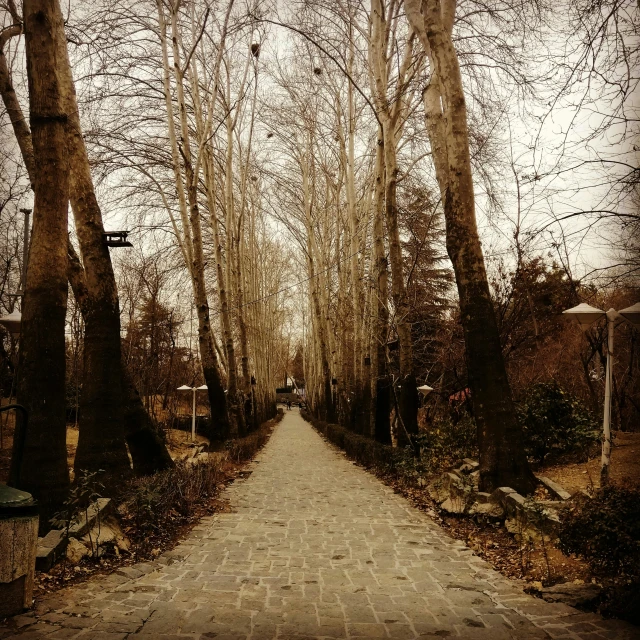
(288, 405)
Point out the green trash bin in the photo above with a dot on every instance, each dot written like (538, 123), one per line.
(18, 547)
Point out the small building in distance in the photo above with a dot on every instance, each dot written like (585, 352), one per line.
(293, 392)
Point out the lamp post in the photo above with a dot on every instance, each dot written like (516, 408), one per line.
(586, 315)
(185, 387)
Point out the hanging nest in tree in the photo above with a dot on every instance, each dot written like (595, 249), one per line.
(317, 70)
(270, 135)
(255, 49)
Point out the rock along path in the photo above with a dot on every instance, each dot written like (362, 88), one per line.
(315, 547)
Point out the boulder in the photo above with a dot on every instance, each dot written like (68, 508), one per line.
(454, 505)
(97, 511)
(50, 549)
(500, 494)
(554, 488)
(76, 551)
(532, 525)
(440, 488)
(487, 510)
(107, 534)
(574, 594)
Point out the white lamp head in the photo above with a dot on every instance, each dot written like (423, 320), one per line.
(584, 314)
(630, 314)
(184, 387)
(203, 387)
(12, 322)
(425, 389)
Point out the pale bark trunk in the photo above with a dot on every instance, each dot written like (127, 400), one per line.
(502, 458)
(235, 403)
(242, 324)
(380, 389)
(12, 105)
(316, 289)
(173, 140)
(389, 115)
(41, 385)
(192, 229)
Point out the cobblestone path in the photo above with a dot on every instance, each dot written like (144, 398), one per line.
(315, 548)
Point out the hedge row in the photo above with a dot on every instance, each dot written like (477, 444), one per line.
(382, 458)
(245, 448)
(153, 508)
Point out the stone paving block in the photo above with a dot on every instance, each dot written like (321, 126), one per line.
(364, 630)
(400, 631)
(62, 634)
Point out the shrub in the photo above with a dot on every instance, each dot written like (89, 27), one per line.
(445, 444)
(155, 506)
(244, 448)
(605, 530)
(153, 502)
(554, 421)
(400, 463)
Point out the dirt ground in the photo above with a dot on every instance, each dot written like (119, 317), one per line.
(178, 442)
(533, 562)
(624, 469)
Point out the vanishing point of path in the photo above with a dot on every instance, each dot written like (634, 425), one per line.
(314, 547)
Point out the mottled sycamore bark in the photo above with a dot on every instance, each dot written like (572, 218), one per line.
(390, 113)
(502, 457)
(101, 442)
(191, 224)
(41, 380)
(380, 389)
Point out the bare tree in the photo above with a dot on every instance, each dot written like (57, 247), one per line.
(503, 461)
(41, 466)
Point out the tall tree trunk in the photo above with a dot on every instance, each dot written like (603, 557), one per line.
(192, 230)
(41, 383)
(406, 393)
(380, 391)
(148, 452)
(325, 400)
(101, 443)
(390, 114)
(153, 456)
(503, 461)
(236, 409)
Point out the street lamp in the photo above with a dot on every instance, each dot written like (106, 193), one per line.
(425, 390)
(185, 387)
(12, 323)
(586, 315)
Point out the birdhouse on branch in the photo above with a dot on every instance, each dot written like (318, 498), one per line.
(116, 239)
